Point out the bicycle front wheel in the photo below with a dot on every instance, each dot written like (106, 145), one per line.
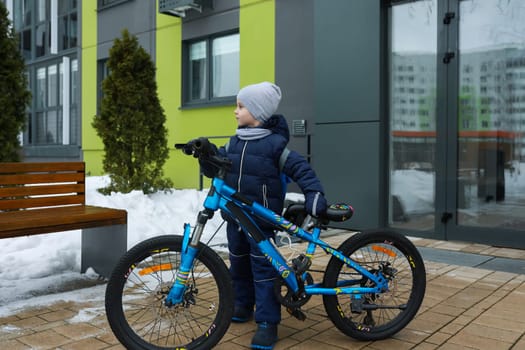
(376, 316)
(138, 287)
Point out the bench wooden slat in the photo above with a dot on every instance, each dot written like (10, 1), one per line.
(22, 178)
(37, 202)
(38, 221)
(23, 191)
(6, 168)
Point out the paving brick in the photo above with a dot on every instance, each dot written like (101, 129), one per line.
(436, 317)
(312, 344)
(520, 345)
(8, 319)
(410, 335)
(14, 345)
(334, 338)
(48, 325)
(452, 328)
(78, 331)
(484, 331)
(85, 344)
(448, 310)
(10, 331)
(424, 346)
(477, 342)
(29, 323)
(501, 323)
(44, 340)
(438, 338)
(28, 312)
(229, 346)
(60, 314)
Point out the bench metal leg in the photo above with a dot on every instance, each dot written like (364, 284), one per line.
(102, 247)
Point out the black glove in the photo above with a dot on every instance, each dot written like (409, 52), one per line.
(198, 147)
(315, 203)
(188, 147)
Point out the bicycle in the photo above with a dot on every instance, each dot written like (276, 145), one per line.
(174, 291)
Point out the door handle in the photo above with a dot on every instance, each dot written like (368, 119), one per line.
(448, 56)
(445, 217)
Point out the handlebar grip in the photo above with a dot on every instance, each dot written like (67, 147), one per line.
(201, 143)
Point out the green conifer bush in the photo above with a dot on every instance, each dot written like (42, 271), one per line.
(131, 121)
(14, 95)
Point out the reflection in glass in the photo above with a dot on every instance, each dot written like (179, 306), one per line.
(491, 114)
(41, 10)
(41, 31)
(198, 70)
(73, 35)
(40, 88)
(413, 115)
(52, 86)
(225, 54)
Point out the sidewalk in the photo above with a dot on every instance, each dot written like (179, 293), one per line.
(465, 307)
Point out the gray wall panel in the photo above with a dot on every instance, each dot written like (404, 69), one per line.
(138, 17)
(347, 60)
(224, 16)
(346, 146)
(294, 64)
(347, 164)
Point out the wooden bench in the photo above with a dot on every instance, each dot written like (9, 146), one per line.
(37, 198)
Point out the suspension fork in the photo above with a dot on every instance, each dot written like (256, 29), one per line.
(189, 251)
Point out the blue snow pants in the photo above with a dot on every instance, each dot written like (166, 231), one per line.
(253, 276)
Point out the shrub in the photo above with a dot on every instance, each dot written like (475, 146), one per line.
(131, 121)
(14, 95)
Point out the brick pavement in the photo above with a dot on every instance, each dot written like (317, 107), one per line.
(464, 308)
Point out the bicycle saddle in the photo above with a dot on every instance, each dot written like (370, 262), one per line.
(338, 212)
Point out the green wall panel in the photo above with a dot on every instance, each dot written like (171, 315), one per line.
(91, 143)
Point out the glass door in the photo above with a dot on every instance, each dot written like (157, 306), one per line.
(490, 174)
(457, 120)
(413, 115)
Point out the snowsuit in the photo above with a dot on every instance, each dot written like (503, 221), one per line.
(255, 173)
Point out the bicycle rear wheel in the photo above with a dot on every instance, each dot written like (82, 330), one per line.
(138, 286)
(376, 316)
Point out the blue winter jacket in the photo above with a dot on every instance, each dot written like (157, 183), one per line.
(255, 166)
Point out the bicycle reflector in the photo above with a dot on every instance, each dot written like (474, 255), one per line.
(384, 250)
(155, 268)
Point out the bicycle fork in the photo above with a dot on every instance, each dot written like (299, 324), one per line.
(189, 252)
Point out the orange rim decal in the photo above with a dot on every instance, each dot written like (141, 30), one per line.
(155, 268)
(384, 250)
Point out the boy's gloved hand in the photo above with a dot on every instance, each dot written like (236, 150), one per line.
(315, 203)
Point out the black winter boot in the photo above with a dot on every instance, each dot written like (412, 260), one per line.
(242, 314)
(265, 337)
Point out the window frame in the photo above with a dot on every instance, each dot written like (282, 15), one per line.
(102, 6)
(186, 101)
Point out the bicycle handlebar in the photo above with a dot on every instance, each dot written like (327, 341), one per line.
(206, 151)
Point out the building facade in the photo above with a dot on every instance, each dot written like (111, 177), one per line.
(400, 108)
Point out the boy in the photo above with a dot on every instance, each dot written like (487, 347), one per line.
(255, 152)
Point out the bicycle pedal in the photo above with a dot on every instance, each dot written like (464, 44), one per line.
(297, 313)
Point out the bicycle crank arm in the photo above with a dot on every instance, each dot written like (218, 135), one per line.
(377, 307)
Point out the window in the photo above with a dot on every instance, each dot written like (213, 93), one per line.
(55, 119)
(67, 24)
(211, 70)
(102, 73)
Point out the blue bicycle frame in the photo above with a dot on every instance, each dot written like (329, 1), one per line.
(223, 197)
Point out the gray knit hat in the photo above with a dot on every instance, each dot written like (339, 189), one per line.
(261, 99)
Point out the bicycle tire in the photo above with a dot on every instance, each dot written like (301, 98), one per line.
(139, 284)
(407, 284)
